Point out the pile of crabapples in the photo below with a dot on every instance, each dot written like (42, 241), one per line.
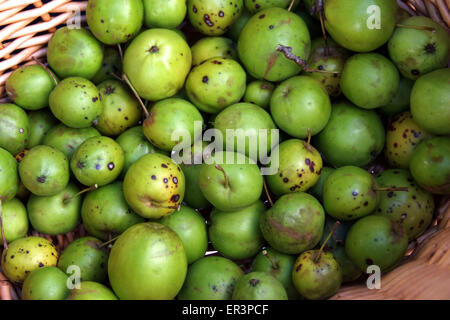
(88, 139)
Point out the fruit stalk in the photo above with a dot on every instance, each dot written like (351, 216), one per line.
(109, 242)
(426, 28)
(5, 244)
(291, 5)
(267, 193)
(128, 82)
(308, 143)
(120, 52)
(319, 254)
(391, 189)
(318, 7)
(274, 265)
(287, 51)
(227, 182)
(46, 70)
(92, 188)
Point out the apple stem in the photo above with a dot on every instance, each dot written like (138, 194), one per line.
(318, 7)
(227, 181)
(267, 193)
(92, 188)
(109, 242)
(128, 82)
(287, 51)
(319, 254)
(391, 189)
(5, 244)
(46, 70)
(120, 52)
(308, 143)
(291, 5)
(274, 265)
(426, 28)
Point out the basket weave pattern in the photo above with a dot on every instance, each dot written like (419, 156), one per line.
(438, 10)
(26, 26)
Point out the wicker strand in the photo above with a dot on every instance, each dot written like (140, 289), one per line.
(20, 30)
(438, 10)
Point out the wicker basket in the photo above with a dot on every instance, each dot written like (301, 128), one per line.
(438, 10)
(25, 29)
(27, 26)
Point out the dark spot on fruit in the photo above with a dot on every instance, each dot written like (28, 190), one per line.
(164, 166)
(194, 9)
(41, 179)
(369, 261)
(102, 21)
(94, 99)
(205, 79)
(421, 222)
(207, 20)
(414, 197)
(221, 13)
(390, 194)
(153, 177)
(262, 16)
(165, 180)
(153, 49)
(175, 180)
(41, 264)
(430, 48)
(111, 166)
(12, 257)
(366, 204)
(254, 282)
(307, 162)
(285, 180)
(97, 167)
(300, 175)
(354, 193)
(415, 72)
(175, 198)
(320, 67)
(403, 216)
(271, 27)
(216, 62)
(257, 6)
(109, 90)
